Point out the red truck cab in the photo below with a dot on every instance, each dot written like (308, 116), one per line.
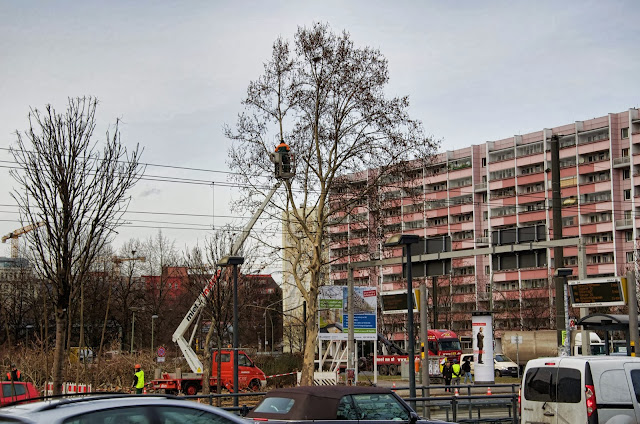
(250, 377)
(445, 343)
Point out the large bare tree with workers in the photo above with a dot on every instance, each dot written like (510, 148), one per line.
(325, 98)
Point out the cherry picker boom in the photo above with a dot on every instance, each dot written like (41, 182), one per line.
(284, 170)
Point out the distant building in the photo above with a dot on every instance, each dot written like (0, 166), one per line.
(499, 192)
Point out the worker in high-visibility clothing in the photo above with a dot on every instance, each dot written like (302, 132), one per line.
(283, 149)
(138, 379)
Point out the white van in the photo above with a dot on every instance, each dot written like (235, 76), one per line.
(585, 389)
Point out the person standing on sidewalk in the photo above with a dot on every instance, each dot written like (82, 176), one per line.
(457, 373)
(466, 370)
(447, 374)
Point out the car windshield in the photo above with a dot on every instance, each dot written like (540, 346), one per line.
(503, 358)
(449, 344)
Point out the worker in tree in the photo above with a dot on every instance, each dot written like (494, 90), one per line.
(138, 379)
(283, 149)
(14, 374)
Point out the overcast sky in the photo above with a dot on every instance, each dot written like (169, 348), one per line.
(175, 72)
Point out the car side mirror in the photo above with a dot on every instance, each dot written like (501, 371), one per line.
(413, 417)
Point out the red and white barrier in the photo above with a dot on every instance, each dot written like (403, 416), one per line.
(68, 388)
(280, 375)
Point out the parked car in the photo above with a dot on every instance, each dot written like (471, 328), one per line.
(343, 403)
(103, 409)
(503, 365)
(17, 391)
(585, 389)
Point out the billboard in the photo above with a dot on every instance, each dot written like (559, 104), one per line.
(395, 301)
(482, 330)
(333, 316)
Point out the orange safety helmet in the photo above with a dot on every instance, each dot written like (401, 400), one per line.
(137, 366)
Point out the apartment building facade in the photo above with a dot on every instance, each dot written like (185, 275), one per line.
(499, 193)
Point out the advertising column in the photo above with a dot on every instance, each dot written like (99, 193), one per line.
(482, 328)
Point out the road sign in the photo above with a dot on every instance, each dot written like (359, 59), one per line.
(516, 339)
(161, 351)
(597, 292)
(160, 358)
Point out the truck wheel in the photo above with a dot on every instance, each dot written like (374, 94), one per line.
(190, 390)
(382, 370)
(254, 385)
(498, 373)
(393, 370)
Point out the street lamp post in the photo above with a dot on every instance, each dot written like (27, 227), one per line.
(407, 240)
(234, 261)
(153, 318)
(28, 328)
(133, 327)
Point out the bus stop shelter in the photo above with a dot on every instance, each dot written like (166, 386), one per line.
(608, 323)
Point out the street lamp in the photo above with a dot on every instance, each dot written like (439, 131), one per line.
(153, 319)
(133, 324)
(407, 240)
(224, 262)
(28, 328)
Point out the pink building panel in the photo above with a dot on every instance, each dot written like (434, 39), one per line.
(531, 159)
(437, 212)
(462, 244)
(533, 216)
(599, 248)
(501, 144)
(462, 262)
(460, 173)
(499, 276)
(433, 231)
(460, 153)
(533, 274)
(501, 165)
(573, 231)
(530, 179)
(436, 195)
(565, 129)
(436, 178)
(594, 146)
(504, 220)
(596, 123)
(608, 268)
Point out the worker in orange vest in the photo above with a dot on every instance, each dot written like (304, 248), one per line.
(283, 149)
(14, 374)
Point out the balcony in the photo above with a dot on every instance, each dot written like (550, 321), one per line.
(483, 240)
(624, 224)
(480, 187)
(622, 162)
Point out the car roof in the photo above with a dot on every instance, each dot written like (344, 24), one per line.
(334, 392)
(314, 402)
(52, 410)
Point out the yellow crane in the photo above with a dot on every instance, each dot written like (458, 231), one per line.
(17, 233)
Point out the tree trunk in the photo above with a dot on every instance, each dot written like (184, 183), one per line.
(58, 358)
(308, 362)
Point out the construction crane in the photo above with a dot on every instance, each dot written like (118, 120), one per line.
(17, 233)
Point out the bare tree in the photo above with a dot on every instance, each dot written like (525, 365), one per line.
(77, 191)
(326, 100)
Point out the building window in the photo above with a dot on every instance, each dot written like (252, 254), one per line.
(625, 152)
(487, 269)
(626, 174)
(628, 235)
(624, 133)
(627, 194)
(630, 257)
(484, 160)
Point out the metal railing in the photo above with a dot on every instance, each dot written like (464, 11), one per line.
(469, 406)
